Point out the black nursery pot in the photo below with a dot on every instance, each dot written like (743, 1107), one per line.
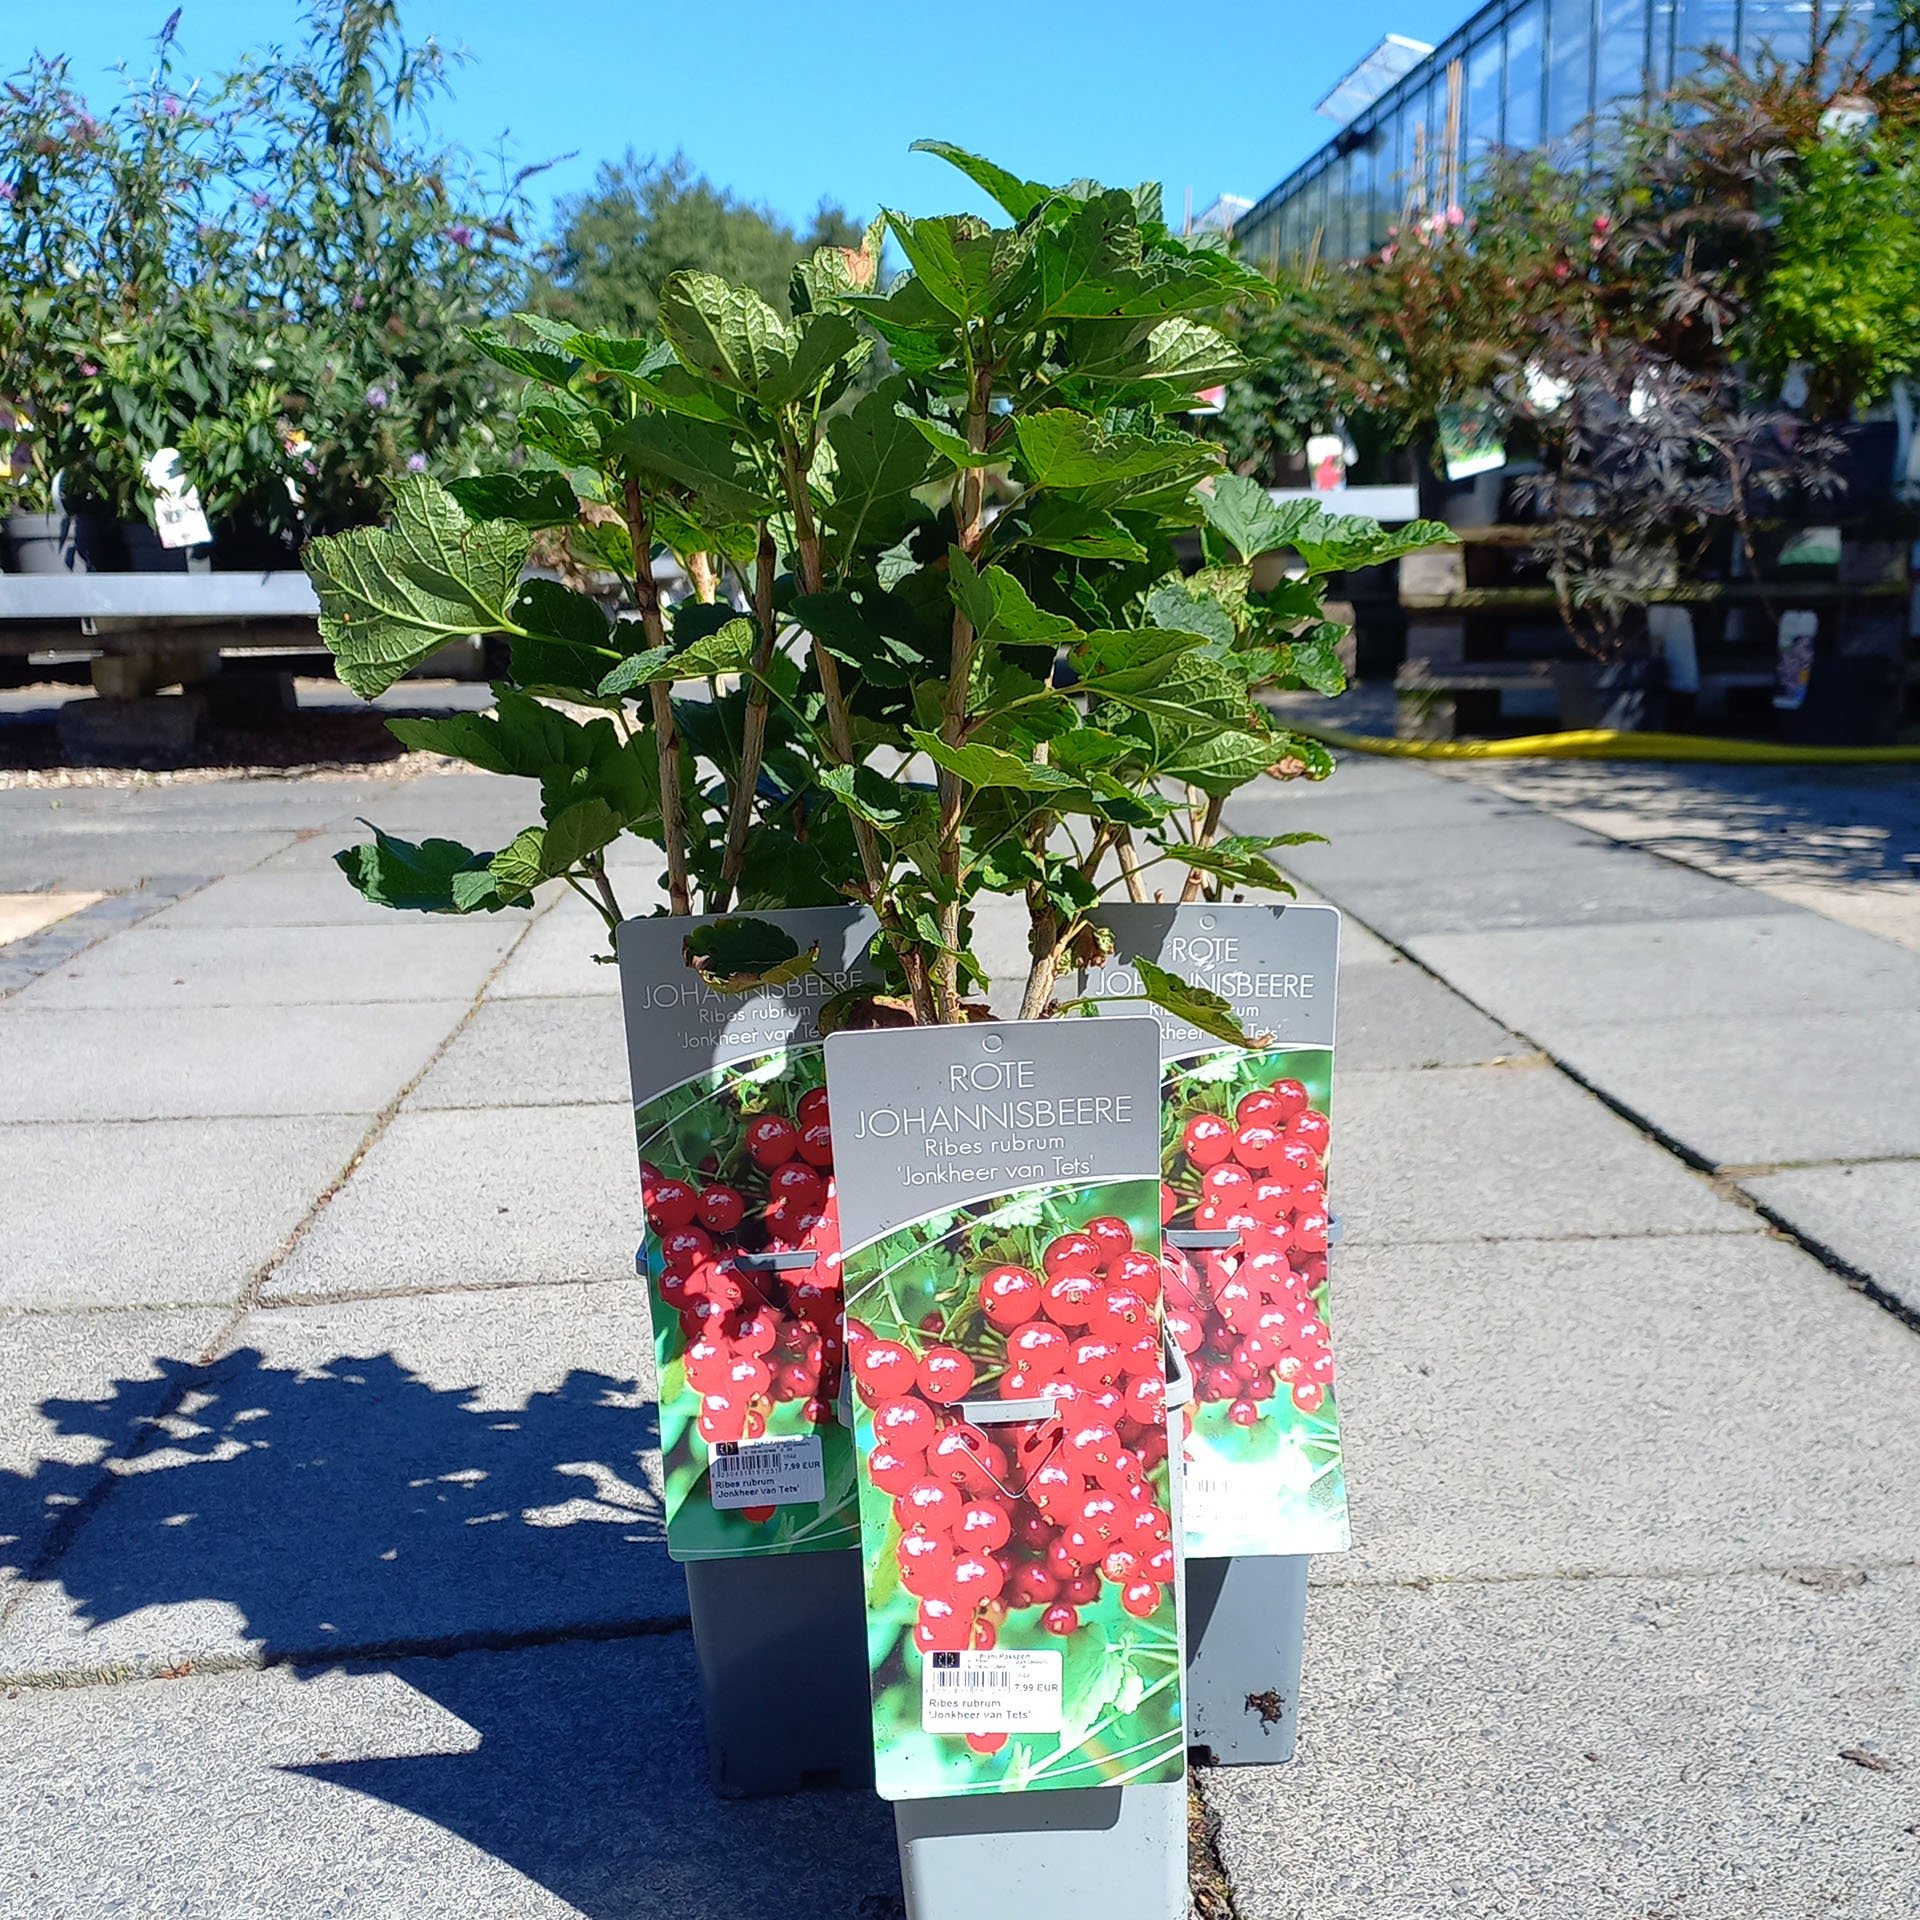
(146, 553)
(62, 543)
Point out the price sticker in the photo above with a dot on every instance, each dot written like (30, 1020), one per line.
(998, 1692)
(767, 1473)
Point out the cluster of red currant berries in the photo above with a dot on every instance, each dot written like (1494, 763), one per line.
(753, 1335)
(981, 1536)
(1248, 1317)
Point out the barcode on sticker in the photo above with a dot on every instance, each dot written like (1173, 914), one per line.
(767, 1473)
(1002, 1691)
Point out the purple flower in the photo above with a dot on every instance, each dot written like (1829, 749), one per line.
(460, 236)
(170, 107)
(261, 199)
(6, 193)
(377, 396)
(358, 301)
(416, 463)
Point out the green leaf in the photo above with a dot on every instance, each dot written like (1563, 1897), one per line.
(1062, 448)
(1018, 196)
(1175, 606)
(979, 765)
(390, 596)
(738, 956)
(538, 498)
(636, 670)
(1225, 863)
(698, 454)
(893, 808)
(952, 446)
(532, 363)
(879, 458)
(519, 737)
(1337, 543)
(1072, 527)
(725, 333)
(879, 633)
(1239, 510)
(1220, 761)
(958, 259)
(829, 346)
(421, 878)
(567, 647)
(1197, 1006)
(1002, 611)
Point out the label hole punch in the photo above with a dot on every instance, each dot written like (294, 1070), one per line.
(1190, 1241)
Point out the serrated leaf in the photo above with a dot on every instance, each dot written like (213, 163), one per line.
(879, 458)
(879, 633)
(1062, 448)
(697, 454)
(952, 446)
(390, 596)
(1239, 510)
(636, 670)
(1178, 608)
(724, 333)
(1340, 542)
(532, 363)
(1197, 1006)
(1220, 761)
(420, 877)
(895, 809)
(1242, 868)
(539, 498)
(1001, 609)
(958, 259)
(979, 765)
(741, 955)
(1018, 196)
(520, 737)
(1073, 527)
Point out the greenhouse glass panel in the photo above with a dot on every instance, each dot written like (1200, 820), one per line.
(1781, 28)
(1569, 65)
(1483, 96)
(1620, 59)
(1524, 50)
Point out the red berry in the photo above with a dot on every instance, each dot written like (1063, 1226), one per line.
(1071, 1253)
(812, 1106)
(1308, 1395)
(884, 1369)
(683, 1248)
(986, 1742)
(1010, 1296)
(943, 1626)
(772, 1139)
(1111, 1235)
(1291, 1096)
(1147, 1398)
(1169, 1204)
(816, 1143)
(983, 1525)
(1243, 1413)
(758, 1515)
(817, 1413)
(1257, 1145)
(797, 1187)
(671, 1203)
(1136, 1272)
(907, 1424)
(931, 1503)
(1262, 1105)
(945, 1375)
(1227, 1183)
(1312, 1131)
(1124, 1314)
(1061, 1619)
(1071, 1298)
(1037, 1346)
(1141, 1598)
(1032, 1586)
(1081, 1591)
(720, 1209)
(976, 1576)
(1208, 1140)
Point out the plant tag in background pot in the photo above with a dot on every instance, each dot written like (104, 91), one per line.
(177, 514)
(1244, 1186)
(998, 1189)
(742, 1250)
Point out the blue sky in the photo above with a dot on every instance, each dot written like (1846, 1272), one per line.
(786, 100)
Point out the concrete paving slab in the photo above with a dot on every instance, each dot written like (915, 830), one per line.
(1398, 1015)
(553, 1783)
(1832, 1086)
(1869, 1216)
(1772, 966)
(296, 899)
(57, 1365)
(1514, 841)
(406, 1474)
(1567, 1408)
(1597, 884)
(556, 959)
(225, 803)
(1887, 912)
(533, 1053)
(1502, 1153)
(113, 860)
(149, 1063)
(499, 1197)
(1593, 1750)
(408, 958)
(22, 914)
(161, 1212)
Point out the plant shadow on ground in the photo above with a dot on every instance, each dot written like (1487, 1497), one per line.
(353, 1514)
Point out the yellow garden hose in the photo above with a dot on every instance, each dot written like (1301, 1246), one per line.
(1604, 743)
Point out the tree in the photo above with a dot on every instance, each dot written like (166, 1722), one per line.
(644, 220)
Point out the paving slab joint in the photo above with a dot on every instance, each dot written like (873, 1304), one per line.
(24, 961)
(1207, 1883)
(250, 1294)
(1841, 1268)
(164, 1667)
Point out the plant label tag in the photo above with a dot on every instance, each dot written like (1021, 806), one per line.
(742, 1249)
(767, 1473)
(992, 1692)
(178, 517)
(1244, 1204)
(1002, 1265)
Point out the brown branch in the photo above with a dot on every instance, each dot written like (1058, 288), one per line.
(1130, 866)
(700, 573)
(673, 813)
(753, 728)
(1209, 826)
